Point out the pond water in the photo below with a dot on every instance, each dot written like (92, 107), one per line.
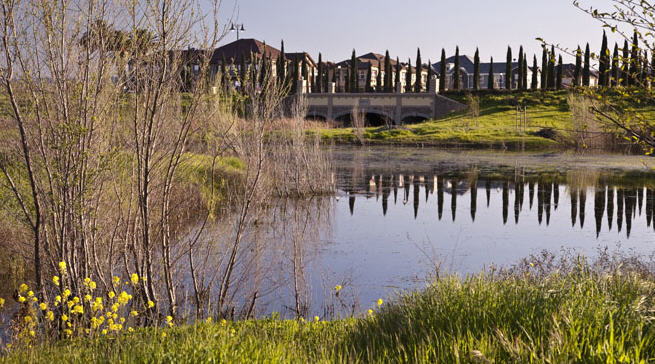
(400, 214)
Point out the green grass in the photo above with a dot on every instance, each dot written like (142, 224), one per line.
(582, 316)
(495, 128)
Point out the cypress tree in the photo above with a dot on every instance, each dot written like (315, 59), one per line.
(544, 69)
(319, 83)
(586, 71)
(243, 72)
(602, 62)
(615, 66)
(224, 75)
(644, 70)
(634, 60)
(354, 79)
(535, 71)
(408, 76)
(369, 78)
(508, 69)
(577, 75)
(519, 84)
(294, 76)
(442, 72)
(490, 79)
(282, 65)
(652, 71)
(378, 80)
(430, 75)
(387, 73)
(418, 86)
(304, 69)
(524, 86)
(551, 69)
(625, 69)
(476, 70)
(560, 66)
(456, 70)
(397, 78)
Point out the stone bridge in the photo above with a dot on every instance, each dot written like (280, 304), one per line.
(395, 107)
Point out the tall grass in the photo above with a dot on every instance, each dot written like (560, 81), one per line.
(574, 312)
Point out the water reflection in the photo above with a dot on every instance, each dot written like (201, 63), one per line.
(421, 189)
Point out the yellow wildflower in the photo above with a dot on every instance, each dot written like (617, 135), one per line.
(57, 298)
(151, 304)
(104, 331)
(87, 280)
(134, 313)
(32, 333)
(78, 309)
(380, 302)
(34, 299)
(22, 288)
(370, 312)
(337, 288)
(28, 319)
(64, 318)
(169, 321)
(129, 329)
(92, 285)
(163, 335)
(50, 316)
(30, 294)
(76, 299)
(2, 302)
(209, 320)
(66, 293)
(21, 299)
(111, 294)
(134, 278)
(62, 267)
(43, 306)
(87, 297)
(55, 280)
(316, 319)
(68, 332)
(116, 280)
(223, 322)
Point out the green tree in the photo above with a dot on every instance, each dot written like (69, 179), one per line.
(577, 74)
(224, 74)
(625, 69)
(560, 66)
(519, 84)
(354, 79)
(524, 86)
(418, 85)
(282, 65)
(443, 79)
(603, 62)
(369, 78)
(378, 80)
(408, 76)
(387, 73)
(535, 71)
(476, 70)
(508, 69)
(551, 68)
(490, 79)
(456, 70)
(615, 66)
(586, 70)
(397, 76)
(321, 71)
(544, 69)
(634, 60)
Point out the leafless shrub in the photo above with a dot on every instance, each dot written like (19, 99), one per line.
(588, 132)
(358, 120)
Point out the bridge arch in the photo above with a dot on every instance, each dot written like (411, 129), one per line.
(316, 116)
(371, 118)
(412, 118)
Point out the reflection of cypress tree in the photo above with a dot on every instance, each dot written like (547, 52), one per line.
(599, 208)
(640, 198)
(440, 198)
(521, 194)
(487, 187)
(540, 202)
(649, 206)
(351, 204)
(610, 206)
(583, 202)
(505, 201)
(531, 193)
(426, 192)
(474, 198)
(619, 208)
(629, 206)
(385, 199)
(548, 195)
(395, 194)
(574, 205)
(517, 202)
(556, 194)
(406, 192)
(453, 200)
(416, 196)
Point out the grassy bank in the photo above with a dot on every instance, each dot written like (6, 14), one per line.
(583, 315)
(549, 125)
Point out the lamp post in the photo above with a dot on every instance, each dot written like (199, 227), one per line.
(238, 27)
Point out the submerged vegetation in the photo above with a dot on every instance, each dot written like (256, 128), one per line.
(544, 310)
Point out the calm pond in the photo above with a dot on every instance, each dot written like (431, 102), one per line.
(401, 213)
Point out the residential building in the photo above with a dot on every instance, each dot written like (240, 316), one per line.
(376, 62)
(467, 72)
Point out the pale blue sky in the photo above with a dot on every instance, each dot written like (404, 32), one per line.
(335, 27)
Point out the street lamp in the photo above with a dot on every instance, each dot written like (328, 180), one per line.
(239, 28)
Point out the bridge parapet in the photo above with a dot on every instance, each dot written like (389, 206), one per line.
(394, 106)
